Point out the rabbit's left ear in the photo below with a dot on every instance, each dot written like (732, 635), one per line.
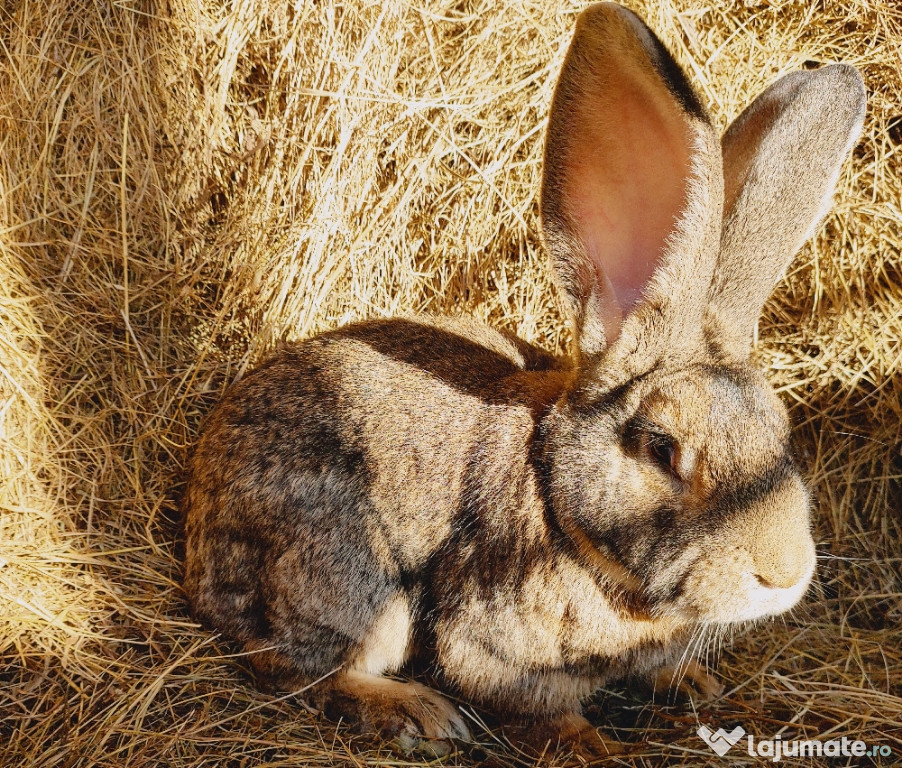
(632, 189)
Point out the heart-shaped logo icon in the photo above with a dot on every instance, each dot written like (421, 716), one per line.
(721, 741)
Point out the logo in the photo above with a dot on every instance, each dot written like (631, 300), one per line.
(776, 749)
(721, 741)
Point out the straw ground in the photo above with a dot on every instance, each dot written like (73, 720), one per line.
(184, 183)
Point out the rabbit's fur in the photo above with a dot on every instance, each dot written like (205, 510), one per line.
(529, 526)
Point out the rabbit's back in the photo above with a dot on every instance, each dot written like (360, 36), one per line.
(328, 477)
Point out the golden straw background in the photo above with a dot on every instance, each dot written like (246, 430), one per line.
(183, 183)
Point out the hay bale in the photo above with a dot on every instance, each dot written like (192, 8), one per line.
(183, 184)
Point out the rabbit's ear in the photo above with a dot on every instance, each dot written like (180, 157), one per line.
(632, 188)
(781, 158)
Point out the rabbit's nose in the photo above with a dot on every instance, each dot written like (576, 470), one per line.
(780, 543)
(784, 575)
(790, 564)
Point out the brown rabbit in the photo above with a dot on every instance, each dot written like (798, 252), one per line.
(533, 527)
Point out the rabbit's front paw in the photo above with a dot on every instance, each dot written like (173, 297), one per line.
(569, 731)
(692, 681)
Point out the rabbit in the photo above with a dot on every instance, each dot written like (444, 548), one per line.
(532, 526)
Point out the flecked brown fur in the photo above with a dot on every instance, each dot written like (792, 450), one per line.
(530, 526)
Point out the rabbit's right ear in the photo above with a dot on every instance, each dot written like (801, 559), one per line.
(781, 161)
(632, 188)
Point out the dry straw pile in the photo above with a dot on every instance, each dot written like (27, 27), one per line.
(185, 182)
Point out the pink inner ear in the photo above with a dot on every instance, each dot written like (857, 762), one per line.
(628, 162)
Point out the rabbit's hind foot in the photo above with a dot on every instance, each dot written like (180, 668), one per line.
(409, 712)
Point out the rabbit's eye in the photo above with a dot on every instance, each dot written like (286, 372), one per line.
(664, 451)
